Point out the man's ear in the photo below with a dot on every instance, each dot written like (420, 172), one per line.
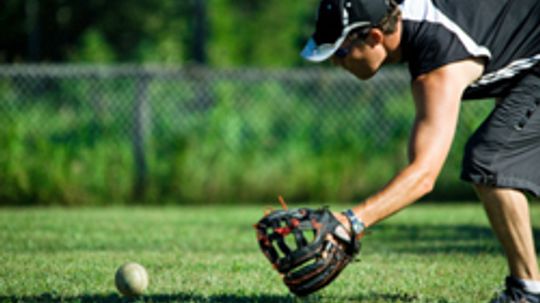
(375, 36)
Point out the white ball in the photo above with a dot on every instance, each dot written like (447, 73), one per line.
(131, 279)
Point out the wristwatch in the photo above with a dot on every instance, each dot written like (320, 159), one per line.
(357, 225)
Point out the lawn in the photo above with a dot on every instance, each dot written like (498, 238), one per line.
(426, 253)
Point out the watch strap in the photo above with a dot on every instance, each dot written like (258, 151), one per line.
(357, 225)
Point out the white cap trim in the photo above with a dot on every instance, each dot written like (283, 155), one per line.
(318, 53)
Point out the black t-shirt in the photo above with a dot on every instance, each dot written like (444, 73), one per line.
(505, 33)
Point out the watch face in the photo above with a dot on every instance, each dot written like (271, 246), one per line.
(358, 227)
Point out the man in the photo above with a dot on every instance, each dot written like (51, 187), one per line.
(455, 49)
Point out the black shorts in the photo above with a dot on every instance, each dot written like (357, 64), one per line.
(505, 150)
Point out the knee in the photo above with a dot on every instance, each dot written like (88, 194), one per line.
(482, 189)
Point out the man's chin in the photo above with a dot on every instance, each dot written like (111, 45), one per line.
(364, 76)
(362, 73)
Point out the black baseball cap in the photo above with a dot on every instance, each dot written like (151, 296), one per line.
(336, 19)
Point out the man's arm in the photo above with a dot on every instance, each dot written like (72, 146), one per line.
(437, 98)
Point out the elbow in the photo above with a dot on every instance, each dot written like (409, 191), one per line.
(426, 181)
(427, 184)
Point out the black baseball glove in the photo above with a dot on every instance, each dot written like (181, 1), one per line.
(309, 247)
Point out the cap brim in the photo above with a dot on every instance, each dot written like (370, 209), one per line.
(318, 53)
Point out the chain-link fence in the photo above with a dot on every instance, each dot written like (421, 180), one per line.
(112, 134)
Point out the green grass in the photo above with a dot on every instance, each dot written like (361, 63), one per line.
(427, 253)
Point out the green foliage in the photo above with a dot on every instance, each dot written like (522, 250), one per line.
(58, 165)
(94, 49)
(231, 32)
(264, 33)
(209, 140)
(426, 253)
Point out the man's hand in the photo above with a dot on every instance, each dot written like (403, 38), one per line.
(343, 220)
(347, 225)
(309, 247)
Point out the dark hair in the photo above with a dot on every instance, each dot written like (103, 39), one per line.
(389, 23)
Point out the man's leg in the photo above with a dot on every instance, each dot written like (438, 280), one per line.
(503, 155)
(508, 213)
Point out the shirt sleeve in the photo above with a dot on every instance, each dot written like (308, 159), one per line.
(430, 47)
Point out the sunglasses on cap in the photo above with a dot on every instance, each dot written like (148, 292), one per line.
(355, 35)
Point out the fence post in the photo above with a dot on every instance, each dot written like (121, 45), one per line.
(141, 124)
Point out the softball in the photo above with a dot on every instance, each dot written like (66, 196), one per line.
(131, 279)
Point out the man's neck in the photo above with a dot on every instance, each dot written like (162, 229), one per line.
(392, 44)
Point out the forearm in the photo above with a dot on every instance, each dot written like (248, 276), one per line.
(409, 185)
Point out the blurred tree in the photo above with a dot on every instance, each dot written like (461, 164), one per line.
(13, 34)
(32, 28)
(264, 33)
(216, 32)
(147, 30)
(200, 31)
(93, 49)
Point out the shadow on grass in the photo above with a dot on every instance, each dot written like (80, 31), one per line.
(439, 238)
(158, 298)
(378, 297)
(225, 298)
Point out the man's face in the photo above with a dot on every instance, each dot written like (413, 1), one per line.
(361, 56)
